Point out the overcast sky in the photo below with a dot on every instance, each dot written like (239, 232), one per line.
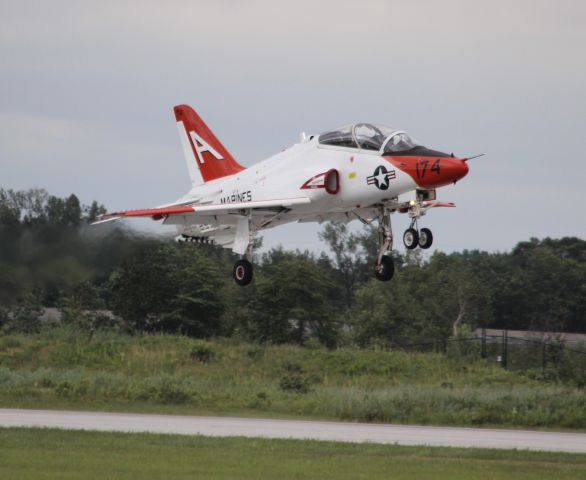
(87, 90)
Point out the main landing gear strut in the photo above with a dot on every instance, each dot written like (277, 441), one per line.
(243, 243)
(413, 237)
(385, 267)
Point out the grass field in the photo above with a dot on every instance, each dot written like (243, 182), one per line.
(175, 374)
(44, 453)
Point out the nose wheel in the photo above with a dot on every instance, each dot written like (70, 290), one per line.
(425, 238)
(410, 238)
(413, 238)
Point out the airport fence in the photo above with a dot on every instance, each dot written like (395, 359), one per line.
(549, 357)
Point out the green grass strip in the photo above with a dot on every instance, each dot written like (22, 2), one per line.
(49, 453)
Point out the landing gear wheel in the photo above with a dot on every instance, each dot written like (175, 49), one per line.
(425, 238)
(384, 272)
(410, 238)
(243, 272)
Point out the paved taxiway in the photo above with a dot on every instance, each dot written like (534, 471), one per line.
(299, 429)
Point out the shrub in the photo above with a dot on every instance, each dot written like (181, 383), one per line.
(202, 352)
(173, 392)
(64, 389)
(294, 379)
(295, 382)
(25, 318)
(255, 352)
(313, 344)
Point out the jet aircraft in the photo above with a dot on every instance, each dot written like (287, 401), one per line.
(360, 172)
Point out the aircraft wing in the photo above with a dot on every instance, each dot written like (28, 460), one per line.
(203, 209)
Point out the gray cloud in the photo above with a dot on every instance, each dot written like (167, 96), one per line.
(87, 90)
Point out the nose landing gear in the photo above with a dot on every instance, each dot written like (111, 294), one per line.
(413, 238)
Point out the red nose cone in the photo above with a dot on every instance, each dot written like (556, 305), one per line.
(460, 169)
(430, 171)
(453, 170)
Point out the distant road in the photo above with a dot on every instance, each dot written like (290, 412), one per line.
(298, 429)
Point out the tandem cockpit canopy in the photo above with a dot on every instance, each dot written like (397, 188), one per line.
(369, 136)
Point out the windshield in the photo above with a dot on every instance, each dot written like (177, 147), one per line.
(366, 136)
(340, 137)
(400, 142)
(371, 137)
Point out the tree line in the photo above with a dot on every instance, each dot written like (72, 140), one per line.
(51, 257)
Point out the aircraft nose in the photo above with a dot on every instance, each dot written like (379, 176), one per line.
(431, 171)
(459, 169)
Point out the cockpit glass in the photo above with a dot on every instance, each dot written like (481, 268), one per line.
(400, 142)
(368, 136)
(340, 137)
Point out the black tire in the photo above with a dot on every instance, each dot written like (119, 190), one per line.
(425, 238)
(243, 272)
(410, 238)
(385, 271)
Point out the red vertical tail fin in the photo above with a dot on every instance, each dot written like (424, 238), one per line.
(206, 157)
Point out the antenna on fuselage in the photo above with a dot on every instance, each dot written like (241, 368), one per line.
(475, 156)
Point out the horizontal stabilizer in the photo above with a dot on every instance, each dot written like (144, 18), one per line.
(105, 220)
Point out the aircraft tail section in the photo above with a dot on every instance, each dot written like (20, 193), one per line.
(206, 157)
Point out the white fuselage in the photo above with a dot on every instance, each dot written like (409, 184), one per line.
(283, 175)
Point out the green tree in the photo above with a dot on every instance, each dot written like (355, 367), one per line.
(427, 302)
(168, 287)
(293, 299)
(25, 317)
(349, 256)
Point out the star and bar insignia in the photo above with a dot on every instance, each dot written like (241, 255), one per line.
(381, 177)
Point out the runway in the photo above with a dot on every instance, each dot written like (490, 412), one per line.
(297, 429)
